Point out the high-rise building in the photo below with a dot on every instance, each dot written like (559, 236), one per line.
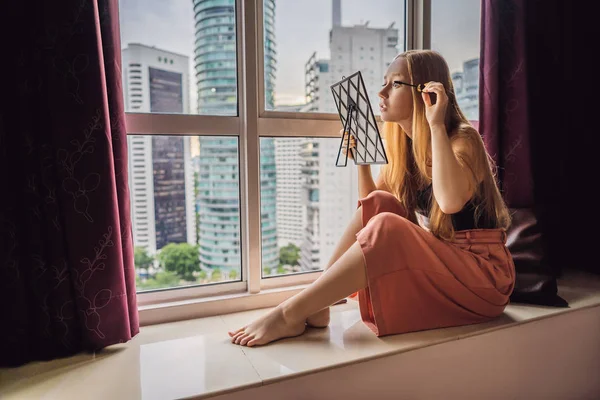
(218, 198)
(352, 49)
(466, 87)
(336, 15)
(160, 169)
(310, 250)
(328, 208)
(268, 203)
(291, 215)
(317, 83)
(457, 81)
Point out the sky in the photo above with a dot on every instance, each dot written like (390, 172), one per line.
(301, 28)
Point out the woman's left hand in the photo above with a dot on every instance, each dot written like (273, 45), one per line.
(435, 113)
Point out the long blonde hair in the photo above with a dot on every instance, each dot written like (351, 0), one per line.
(409, 169)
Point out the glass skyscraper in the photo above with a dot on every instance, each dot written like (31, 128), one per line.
(218, 195)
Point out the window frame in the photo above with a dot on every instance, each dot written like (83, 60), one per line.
(251, 123)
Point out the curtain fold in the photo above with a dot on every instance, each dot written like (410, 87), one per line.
(511, 130)
(67, 275)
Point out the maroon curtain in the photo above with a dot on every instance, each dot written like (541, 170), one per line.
(67, 280)
(514, 63)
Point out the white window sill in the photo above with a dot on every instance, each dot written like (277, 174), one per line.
(171, 311)
(511, 357)
(215, 299)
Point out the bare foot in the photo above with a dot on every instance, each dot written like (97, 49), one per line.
(269, 327)
(319, 319)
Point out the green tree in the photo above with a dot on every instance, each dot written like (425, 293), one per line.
(216, 275)
(266, 271)
(233, 274)
(167, 279)
(289, 255)
(180, 258)
(142, 259)
(202, 275)
(280, 270)
(161, 280)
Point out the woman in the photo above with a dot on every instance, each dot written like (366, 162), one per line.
(456, 270)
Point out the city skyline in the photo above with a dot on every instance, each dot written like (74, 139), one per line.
(163, 25)
(210, 88)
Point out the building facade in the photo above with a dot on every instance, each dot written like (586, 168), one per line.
(218, 195)
(330, 193)
(160, 167)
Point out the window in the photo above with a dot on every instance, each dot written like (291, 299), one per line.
(457, 39)
(213, 195)
(181, 64)
(308, 200)
(186, 248)
(181, 43)
(297, 74)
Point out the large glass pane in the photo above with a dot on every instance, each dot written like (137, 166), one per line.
(306, 202)
(184, 210)
(455, 34)
(311, 44)
(179, 56)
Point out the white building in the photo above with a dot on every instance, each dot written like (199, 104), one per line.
(466, 87)
(291, 215)
(160, 167)
(317, 81)
(352, 49)
(330, 193)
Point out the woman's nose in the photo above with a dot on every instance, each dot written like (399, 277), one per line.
(382, 94)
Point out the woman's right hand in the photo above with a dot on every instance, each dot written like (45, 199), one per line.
(345, 146)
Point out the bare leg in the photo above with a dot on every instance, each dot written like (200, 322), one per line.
(346, 276)
(321, 318)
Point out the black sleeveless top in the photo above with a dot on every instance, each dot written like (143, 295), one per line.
(462, 220)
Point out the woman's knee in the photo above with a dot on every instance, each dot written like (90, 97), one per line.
(386, 202)
(389, 221)
(378, 193)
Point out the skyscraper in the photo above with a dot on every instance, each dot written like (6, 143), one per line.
(330, 192)
(310, 250)
(466, 86)
(336, 14)
(218, 199)
(317, 83)
(160, 169)
(353, 48)
(291, 215)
